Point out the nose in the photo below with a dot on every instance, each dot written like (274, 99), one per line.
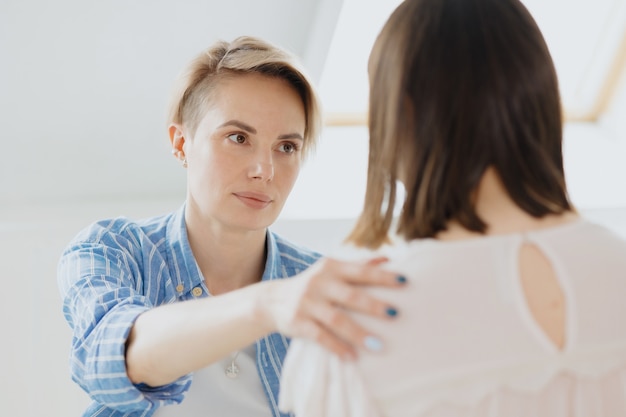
(261, 168)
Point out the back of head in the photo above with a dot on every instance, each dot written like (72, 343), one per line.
(457, 86)
(197, 84)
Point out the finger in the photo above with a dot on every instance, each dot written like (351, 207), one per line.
(315, 330)
(376, 261)
(339, 329)
(358, 299)
(366, 274)
(335, 344)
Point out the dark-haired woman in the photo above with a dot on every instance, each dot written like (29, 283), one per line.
(516, 303)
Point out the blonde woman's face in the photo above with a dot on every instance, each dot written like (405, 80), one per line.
(245, 155)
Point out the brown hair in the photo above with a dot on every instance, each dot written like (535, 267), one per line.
(196, 85)
(457, 86)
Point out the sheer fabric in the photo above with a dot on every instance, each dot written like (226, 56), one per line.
(466, 344)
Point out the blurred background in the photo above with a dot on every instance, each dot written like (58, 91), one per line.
(84, 87)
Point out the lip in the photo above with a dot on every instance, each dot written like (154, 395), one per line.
(254, 200)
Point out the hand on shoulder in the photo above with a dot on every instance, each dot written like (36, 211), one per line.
(316, 303)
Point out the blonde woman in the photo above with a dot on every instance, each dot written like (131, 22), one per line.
(188, 314)
(515, 305)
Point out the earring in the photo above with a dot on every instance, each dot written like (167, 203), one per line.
(185, 162)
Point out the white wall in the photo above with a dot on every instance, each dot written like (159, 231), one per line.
(84, 86)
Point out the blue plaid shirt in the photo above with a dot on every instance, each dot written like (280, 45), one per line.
(115, 270)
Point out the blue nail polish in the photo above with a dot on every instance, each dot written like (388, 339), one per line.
(401, 279)
(391, 312)
(373, 343)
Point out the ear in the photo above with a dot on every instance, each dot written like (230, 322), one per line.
(177, 140)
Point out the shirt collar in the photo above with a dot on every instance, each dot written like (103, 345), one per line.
(273, 260)
(183, 267)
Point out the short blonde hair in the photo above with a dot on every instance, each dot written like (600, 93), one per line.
(196, 85)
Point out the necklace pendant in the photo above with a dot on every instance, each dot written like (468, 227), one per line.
(232, 370)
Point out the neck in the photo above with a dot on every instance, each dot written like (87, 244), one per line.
(228, 259)
(502, 216)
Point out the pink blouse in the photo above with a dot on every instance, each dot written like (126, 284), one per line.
(465, 343)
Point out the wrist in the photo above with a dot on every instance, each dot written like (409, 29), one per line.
(262, 311)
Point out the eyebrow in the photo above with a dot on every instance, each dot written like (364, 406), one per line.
(244, 126)
(291, 136)
(240, 125)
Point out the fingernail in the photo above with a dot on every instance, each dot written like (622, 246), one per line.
(401, 279)
(373, 343)
(391, 312)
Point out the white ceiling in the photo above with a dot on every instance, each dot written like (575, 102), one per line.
(84, 87)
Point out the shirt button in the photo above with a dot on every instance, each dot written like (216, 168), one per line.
(180, 288)
(197, 292)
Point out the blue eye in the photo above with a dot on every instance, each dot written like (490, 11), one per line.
(237, 138)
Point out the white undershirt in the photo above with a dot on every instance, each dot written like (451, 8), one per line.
(213, 393)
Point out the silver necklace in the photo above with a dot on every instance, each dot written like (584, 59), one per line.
(232, 370)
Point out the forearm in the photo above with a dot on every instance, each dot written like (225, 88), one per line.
(170, 341)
